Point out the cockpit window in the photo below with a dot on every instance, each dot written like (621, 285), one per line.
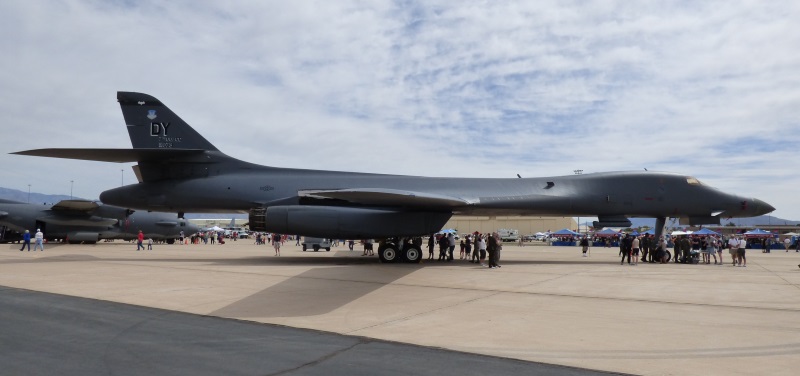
(693, 181)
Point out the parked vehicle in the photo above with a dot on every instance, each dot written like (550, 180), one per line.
(316, 244)
(508, 235)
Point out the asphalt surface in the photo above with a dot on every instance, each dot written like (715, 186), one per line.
(48, 334)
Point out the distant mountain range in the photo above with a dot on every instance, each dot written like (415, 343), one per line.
(32, 198)
(38, 198)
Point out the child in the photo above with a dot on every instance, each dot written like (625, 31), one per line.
(149, 244)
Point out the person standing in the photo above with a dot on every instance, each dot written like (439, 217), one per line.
(451, 245)
(644, 247)
(625, 249)
(491, 248)
(733, 249)
(140, 241)
(39, 237)
(482, 248)
(498, 251)
(149, 244)
(686, 247)
(26, 239)
(431, 245)
(635, 250)
(739, 255)
(585, 245)
(276, 243)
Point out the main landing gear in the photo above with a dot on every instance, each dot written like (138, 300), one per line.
(396, 250)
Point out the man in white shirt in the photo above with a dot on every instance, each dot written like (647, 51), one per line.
(39, 240)
(733, 247)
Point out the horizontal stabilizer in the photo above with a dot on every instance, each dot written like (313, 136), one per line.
(385, 197)
(113, 155)
(75, 205)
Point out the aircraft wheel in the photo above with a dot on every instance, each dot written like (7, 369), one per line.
(412, 255)
(388, 253)
(304, 247)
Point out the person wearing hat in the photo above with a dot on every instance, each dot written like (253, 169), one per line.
(39, 240)
(26, 239)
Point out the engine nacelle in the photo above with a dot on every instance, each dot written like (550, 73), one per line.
(611, 221)
(348, 223)
(692, 221)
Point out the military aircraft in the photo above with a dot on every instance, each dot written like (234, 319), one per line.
(82, 221)
(179, 170)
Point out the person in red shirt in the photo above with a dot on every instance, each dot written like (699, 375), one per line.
(140, 241)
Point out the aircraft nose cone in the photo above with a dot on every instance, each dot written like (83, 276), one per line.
(762, 207)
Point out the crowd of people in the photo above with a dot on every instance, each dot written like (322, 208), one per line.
(477, 248)
(687, 249)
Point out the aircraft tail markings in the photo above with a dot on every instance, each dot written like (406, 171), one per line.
(152, 125)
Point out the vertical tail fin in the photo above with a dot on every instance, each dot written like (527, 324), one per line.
(152, 125)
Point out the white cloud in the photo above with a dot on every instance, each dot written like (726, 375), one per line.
(422, 88)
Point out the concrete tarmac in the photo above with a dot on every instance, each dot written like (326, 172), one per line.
(546, 304)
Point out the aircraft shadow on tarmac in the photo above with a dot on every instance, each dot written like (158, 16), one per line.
(338, 281)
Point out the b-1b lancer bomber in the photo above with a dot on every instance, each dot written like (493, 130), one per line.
(180, 171)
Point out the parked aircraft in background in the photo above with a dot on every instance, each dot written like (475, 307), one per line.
(179, 170)
(81, 221)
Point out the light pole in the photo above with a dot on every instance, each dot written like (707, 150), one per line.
(70, 188)
(29, 193)
(578, 172)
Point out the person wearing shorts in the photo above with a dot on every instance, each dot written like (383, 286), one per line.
(276, 243)
(740, 254)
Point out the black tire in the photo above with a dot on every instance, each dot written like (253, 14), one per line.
(388, 253)
(669, 256)
(316, 247)
(328, 249)
(412, 254)
(304, 247)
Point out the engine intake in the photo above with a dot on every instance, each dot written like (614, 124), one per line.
(345, 222)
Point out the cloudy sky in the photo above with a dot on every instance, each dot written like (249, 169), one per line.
(466, 88)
